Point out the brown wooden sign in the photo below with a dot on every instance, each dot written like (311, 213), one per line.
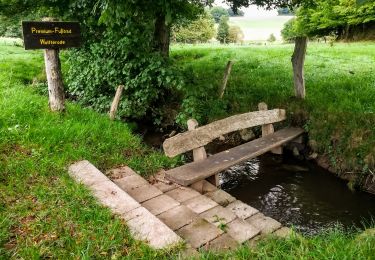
(51, 35)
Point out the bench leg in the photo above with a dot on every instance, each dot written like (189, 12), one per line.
(214, 179)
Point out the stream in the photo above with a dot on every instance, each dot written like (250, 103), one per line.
(298, 194)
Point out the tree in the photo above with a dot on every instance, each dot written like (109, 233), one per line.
(223, 30)
(217, 12)
(272, 38)
(233, 14)
(235, 35)
(200, 30)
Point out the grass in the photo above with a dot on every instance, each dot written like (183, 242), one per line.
(340, 83)
(45, 214)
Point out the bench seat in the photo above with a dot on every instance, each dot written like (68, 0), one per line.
(199, 170)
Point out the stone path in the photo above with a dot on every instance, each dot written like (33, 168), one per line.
(163, 212)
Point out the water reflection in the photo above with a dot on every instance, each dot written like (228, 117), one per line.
(299, 195)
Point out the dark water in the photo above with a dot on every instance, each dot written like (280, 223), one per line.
(298, 194)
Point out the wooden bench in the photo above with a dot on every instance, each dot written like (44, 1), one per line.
(205, 167)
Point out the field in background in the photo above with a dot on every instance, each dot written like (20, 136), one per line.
(260, 28)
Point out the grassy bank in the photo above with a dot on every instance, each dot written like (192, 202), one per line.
(45, 214)
(340, 83)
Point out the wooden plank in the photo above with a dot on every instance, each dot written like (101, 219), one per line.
(196, 171)
(203, 135)
(115, 102)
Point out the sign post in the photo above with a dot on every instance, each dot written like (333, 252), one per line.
(52, 36)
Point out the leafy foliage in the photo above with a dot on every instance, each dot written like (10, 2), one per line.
(200, 30)
(235, 34)
(217, 12)
(223, 30)
(289, 32)
(235, 14)
(341, 17)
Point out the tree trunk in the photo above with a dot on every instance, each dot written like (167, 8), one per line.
(298, 60)
(162, 35)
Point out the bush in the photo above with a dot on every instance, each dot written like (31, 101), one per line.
(217, 12)
(223, 30)
(235, 35)
(118, 58)
(201, 30)
(272, 38)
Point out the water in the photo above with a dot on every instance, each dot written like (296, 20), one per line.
(297, 194)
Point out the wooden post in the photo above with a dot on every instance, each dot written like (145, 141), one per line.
(298, 60)
(200, 153)
(268, 128)
(56, 94)
(115, 102)
(228, 69)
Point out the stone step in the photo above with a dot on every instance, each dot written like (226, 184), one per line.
(142, 224)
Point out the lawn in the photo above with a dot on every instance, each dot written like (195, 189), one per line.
(45, 214)
(340, 83)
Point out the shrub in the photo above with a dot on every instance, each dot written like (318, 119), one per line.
(200, 30)
(223, 30)
(272, 38)
(121, 58)
(235, 34)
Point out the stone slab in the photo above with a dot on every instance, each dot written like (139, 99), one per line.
(242, 210)
(283, 232)
(203, 186)
(120, 172)
(241, 231)
(178, 217)
(160, 204)
(149, 228)
(200, 204)
(165, 187)
(222, 243)
(218, 215)
(221, 197)
(182, 194)
(265, 224)
(135, 213)
(110, 195)
(86, 173)
(144, 193)
(199, 232)
(131, 182)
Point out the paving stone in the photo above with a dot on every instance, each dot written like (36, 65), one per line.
(165, 187)
(110, 195)
(178, 217)
(222, 243)
(218, 215)
(144, 193)
(86, 173)
(149, 228)
(199, 233)
(283, 232)
(242, 210)
(120, 172)
(200, 204)
(188, 253)
(182, 194)
(241, 231)
(203, 186)
(265, 224)
(253, 242)
(131, 182)
(221, 197)
(135, 213)
(160, 204)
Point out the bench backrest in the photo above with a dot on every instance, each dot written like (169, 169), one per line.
(203, 135)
